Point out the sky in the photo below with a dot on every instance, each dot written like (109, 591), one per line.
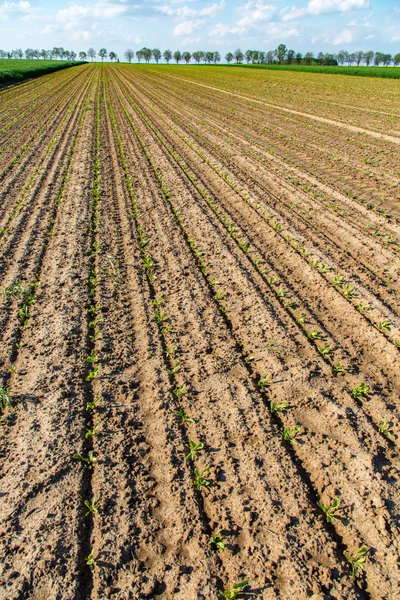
(223, 25)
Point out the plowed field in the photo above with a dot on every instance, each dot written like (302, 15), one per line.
(199, 335)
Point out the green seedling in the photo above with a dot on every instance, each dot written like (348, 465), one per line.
(162, 317)
(200, 479)
(338, 369)
(348, 292)
(93, 507)
(363, 308)
(272, 280)
(384, 430)
(92, 358)
(170, 351)
(15, 291)
(91, 405)
(314, 335)
(290, 304)
(5, 400)
(301, 319)
(264, 382)
(357, 560)
(184, 417)
(324, 350)
(324, 268)
(89, 460)
(360, 391)
(176, 367)
(217, 540)
(91, 562)
(194, 449)
(95, 335)
(277, 407)
(289, 434)
(338, 280)
(92, 432)
(280, 293)
(181, 391)
(148, 263)
(329, 510)
(235, 591)
(95, 322)
(93, 308)
(383, 326)
(92, 374)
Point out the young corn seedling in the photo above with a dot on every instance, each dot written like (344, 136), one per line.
(329, 510)
(184, 417)
(91, 405)
(200, 479)
(301, 319)
(93, 507)
(92, 432)
(324, 268)
(383, 326)
(170, 351)
(338, 369)
(181, 391)
(176, 367)
(348, 292)
(15, 291)
(289, 434)
(91, 562)
(89, 460)
(360, 391)
(235, 591)
(314, 335)
(384, 430)
(324, 350)
(264, 382)
(5, 400)
(338, 280)
(92, 374)
(92, 358)
(194, 449)
(357, 560)
(217, 540)
(277, 407)
(363, 308)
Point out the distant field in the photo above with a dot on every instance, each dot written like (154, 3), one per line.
(386, 72)
(199, 335)
(12, 70)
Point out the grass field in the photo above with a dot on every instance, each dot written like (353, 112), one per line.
(199, 335)
(15, 70)
(385, 72)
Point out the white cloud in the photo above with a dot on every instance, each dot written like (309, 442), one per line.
(188, 27)
(184, 12)
(75, 14)
(291, 13)
(255, 13)
(344, 37)
(318, 7)
(8, 9)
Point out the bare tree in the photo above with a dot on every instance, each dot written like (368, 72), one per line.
(91, 53)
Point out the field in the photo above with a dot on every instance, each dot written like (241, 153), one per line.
(199, 335)
(386, 72)
(12, 71)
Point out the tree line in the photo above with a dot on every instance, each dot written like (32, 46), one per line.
(281, 55)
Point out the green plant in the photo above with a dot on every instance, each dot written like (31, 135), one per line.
(357, 560)
(170, 351)
(92, 374)
(324, 350)
(91, 561)
(360, 391)
(338, 369)
(200, 479)
(217, 540)
(15, 291)
(384, 429)
(92, 432)
(176, 367)
(89, 460)
(91, 405)
(184, 417)
(383, 326)
(330, 509)
(277, 407)
(314, 335)
(301, 319)
(264, 382)
(93, 506)
(289, 434)
(162, 317)
(324, 268)
(234, 591)
(181, 391)
(194, 449)
(5, 399)
(92, 358)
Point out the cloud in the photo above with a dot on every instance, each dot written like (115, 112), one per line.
(291, 13)
(344, 37)
(184, 12)
(8, 9)
(188, 27)
(255, 13)
(75, 14)
(319, 7)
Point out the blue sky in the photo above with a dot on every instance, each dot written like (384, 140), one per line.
(304, 25)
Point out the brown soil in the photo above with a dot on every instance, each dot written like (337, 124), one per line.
(189, 253)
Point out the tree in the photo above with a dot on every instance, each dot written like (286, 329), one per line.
(299, 58)
(238, 55)
(177, 56)
(248, 55)
(129, 54)
(139, 55)
(18, 53)
(321, 58)
(359, 57)
(197, 55)
(112, 56)
(261, 57)
(387, 59)
(290, 57)
(167, 55)
(254, 57)
(281, 53)
(308, 58)
(187, 57)
(102, 53)
(92, 53)
(352, 58)
(146, 54)
(378, 59)
(209, 56)
(82, 55)
(369, 57)
(66, 55)
(229, 57)
(340, 57)
(216, 57)
(396, 59)
(270, 57)
(72, 55)
(156, 54)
